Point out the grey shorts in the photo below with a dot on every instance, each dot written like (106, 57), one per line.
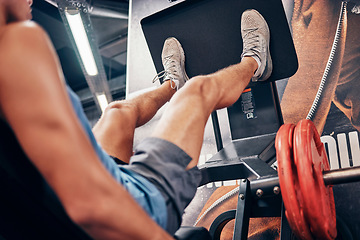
(164, 165)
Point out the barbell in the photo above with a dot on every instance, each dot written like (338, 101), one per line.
(306, 181)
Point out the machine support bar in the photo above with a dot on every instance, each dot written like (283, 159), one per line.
(243, 211)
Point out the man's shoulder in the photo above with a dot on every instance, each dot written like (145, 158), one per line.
(20, 40)
(20, 32)
(21, 27)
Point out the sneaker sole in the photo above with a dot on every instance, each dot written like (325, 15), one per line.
(269, 66)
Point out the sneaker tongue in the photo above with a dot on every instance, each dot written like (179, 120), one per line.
(172, 75)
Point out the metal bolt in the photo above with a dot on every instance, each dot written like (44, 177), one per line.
(276, 190)
(259, 192)
(242, 197)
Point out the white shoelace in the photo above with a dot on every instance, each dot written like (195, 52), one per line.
(168, 73)
(250, 40)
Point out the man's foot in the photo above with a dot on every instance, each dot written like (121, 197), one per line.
(256, 39)
(173, 60)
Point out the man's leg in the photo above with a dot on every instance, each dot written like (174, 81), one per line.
(184, 120)
(168, 158)
(115, 129)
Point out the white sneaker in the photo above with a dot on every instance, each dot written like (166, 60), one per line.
(173, 60)
(256, 40)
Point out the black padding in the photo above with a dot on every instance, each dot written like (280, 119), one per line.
(28, 207)
(192, 233)
(209, 31)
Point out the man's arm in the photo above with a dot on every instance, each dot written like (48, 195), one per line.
(34, 101)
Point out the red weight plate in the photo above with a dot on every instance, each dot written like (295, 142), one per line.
(311, 160)
(288, 182)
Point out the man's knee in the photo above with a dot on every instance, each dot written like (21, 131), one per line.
(202, 86)
(121, 112)
(120, 106)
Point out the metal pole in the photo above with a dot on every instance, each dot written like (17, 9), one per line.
(339, 176)
(243, 212)
(217, 132)
(331, 177)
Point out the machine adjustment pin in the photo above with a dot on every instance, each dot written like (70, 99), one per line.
(259, 192)
(276, 190)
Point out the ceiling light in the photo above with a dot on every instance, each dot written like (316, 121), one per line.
(82, 41)
(103, 102)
